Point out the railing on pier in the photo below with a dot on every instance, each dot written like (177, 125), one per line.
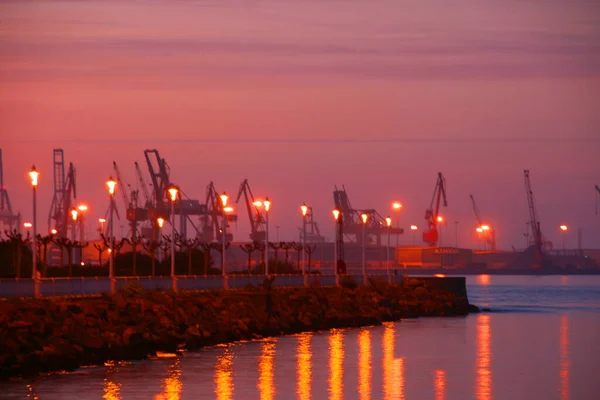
(89, 286)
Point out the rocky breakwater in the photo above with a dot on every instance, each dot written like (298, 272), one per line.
(44, 335)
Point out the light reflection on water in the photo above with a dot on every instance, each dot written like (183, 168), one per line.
(364, 364)
(266, 368)
(336, 364)
(483, 358)
(440, 384)
(223, 375)
(564, 357)
(480, 356)
(111, 388)
(172, 383)
(304, 366)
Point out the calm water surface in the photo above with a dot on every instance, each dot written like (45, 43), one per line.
(540, 341)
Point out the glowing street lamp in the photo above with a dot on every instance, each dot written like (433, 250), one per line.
(564, 229)
(53, 231)
(267, 206)
(224, 199)
(173, 191)
(34, 176)
(440, 219)
(27, 225)
(414, 229)
(111, 184)
(336, 216)
(304, 210)
(397, 206)
(485, 227)
(364, 217)
(160, 222)
(388, 221)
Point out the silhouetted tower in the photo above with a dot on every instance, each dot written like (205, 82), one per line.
(7, 216)
(65, 193)
(431, 235)
(534, 224)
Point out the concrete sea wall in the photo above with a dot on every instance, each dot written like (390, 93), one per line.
(52, 334)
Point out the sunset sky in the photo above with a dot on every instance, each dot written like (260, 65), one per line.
(299, 96)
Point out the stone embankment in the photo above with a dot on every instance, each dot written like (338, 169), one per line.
(44, 335)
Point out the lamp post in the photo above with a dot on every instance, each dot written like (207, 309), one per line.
(397, 206)
(74, 216)
(414, 228)
(304, 209)
(364, 218)
(101, 221)
(173, 197)
(82, 208)
(267, 205)
(224, 199)
(388, 221)
(161, 222)
(111, 265)
(440, 219)
(480, 232)
(336, 217)
(564, 229)
(34, 175)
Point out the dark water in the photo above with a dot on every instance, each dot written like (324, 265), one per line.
(541, 340)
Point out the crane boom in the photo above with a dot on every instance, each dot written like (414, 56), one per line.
(123, 188)
(143, 186)
(476, 210)
(431, 215)
(533, 220)
(256, 219)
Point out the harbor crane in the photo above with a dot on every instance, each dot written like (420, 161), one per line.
(534, 224)
(185, 207)
(257, 220)
(65, 194)
(489, 233)
(353, 225)
(212, 220)
(6, 213)
(431, 235)
(134, 213)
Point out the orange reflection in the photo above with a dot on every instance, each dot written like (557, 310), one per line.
(483, 279)
(440, 384)
(172, 383)
(266, 367)
(336, 365)
(564, 358)
(483, 356)
(304, 366)
(398, 379)
(223, 376)
(111, 389)
(31, 393)
(388, 359)
(564, 280)
(364, 364)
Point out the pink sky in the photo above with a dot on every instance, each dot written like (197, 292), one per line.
(301, 96)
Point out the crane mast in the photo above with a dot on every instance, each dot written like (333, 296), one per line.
(431, 236)
(257, 221)
(6, 213)
(533, 221)
(143, 186)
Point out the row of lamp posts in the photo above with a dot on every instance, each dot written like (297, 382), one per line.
(173, 194)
